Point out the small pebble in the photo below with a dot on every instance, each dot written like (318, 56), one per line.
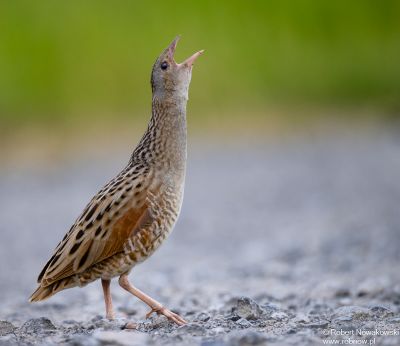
(351, 312)
(6, 328)
(243, 323)
(279, 316)
(301, 318)
(204, 317)
(381, 310)
(247, 308)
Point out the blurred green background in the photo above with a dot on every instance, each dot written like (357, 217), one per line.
(64, 63)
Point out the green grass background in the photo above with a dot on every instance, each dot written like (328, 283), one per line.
(64, 61)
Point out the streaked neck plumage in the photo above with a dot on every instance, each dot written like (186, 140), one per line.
(164, 142)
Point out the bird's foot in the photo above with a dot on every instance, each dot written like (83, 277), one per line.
(160, 310)
(110, 316)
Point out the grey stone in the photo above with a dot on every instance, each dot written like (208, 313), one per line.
(160, 321)
(203, 316)
(152, 324)
(40, 325)
(247, 308)
(351, 312)
(243, 323)
(279, 316)
(301, 318)
(6, 328)
(381, 310)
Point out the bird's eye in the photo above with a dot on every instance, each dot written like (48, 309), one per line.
(164, 65)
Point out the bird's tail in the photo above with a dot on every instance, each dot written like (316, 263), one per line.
(45, 292)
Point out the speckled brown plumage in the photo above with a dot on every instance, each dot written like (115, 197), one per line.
(129, 218)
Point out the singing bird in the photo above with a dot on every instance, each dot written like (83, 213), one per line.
(129, 218)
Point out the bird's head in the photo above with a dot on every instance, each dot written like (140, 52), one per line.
(170, 79)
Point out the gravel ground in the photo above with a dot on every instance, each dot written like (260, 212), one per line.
(291, 243)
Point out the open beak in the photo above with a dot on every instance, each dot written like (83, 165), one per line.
(189, 61)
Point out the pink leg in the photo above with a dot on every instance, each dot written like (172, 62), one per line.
(107, 299)
(154, 305)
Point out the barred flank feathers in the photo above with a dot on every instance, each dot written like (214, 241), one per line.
(45, 292)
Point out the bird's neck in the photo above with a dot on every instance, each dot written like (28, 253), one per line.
(165, 138)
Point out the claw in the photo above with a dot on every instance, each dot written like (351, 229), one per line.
(167, 313)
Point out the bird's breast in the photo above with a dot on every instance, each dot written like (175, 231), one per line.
(163, 203)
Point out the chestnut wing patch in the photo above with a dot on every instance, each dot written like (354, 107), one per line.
(94, 240)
